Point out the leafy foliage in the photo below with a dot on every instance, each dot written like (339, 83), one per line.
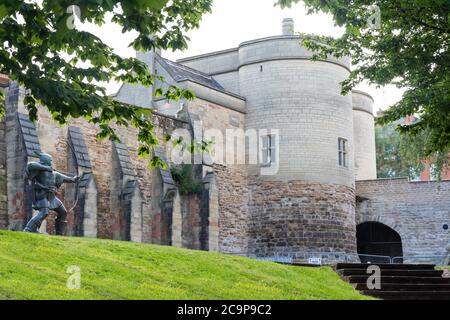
(185, 179)
(413, 149)
(36, 37)
(403, 155)
(2, 102)
(391, 162)
(410, 49)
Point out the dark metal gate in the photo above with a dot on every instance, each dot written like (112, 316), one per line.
(377, 239)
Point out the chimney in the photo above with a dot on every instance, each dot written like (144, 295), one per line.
(4, 80)
(149, 56)
(144, 96)
(288, 27)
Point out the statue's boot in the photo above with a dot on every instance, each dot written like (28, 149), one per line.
(35, 223)
(61, 221)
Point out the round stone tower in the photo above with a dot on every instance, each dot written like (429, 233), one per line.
(364, 136)
(302, 198)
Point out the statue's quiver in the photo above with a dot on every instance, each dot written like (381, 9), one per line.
(30, 172)
(31, 175)
(39, 191)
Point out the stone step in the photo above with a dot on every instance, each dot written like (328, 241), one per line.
(392, 272)
(399, 279)
(385, 266)
(406, 287)
(408, 295)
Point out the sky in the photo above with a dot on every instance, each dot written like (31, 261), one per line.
(234, 21)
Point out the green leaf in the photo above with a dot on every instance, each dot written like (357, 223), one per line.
(3, 11)
(63, 68)
(155, 5)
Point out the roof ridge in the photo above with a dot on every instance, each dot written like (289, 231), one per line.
(189, 68)
(181, 72)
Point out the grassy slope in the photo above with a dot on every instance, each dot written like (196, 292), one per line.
(34, 267)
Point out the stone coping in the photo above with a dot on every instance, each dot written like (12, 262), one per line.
(399, 179)
(207, 55)
(363, 93)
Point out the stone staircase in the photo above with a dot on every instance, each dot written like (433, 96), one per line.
(399, 281)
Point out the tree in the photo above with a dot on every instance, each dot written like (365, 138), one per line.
(37, 34)
(413, 150)
(391, 160)
(400, 42)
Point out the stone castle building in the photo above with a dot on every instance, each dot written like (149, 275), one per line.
(296, 175)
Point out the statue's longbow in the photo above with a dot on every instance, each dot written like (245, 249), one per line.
(77, 184)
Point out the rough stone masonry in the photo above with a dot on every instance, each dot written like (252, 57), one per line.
(312, 185)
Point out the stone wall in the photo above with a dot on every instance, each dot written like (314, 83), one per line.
(3, 184)
(3, 181)
(228, 196)
(302, 100)
(233, 220)
(364, 136)
(191, 221)
(229, 80)
(83, 220)
(297, 217)
(17, 155)
(215, 63)
(416, 210)
(52, 138)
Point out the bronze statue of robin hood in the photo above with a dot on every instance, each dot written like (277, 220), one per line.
(45, 181)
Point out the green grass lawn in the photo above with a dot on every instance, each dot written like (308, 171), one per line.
(35, 267)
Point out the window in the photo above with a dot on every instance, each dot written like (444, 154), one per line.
(268, 149)
(342, 147)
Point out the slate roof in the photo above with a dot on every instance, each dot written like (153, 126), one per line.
(180, 73)
(29, 135)
(166, 175)
(85, 179)
(126, 166)
(76, 140)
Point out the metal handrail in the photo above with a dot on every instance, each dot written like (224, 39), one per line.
(442, 258)
(387, 258)
(290, 257)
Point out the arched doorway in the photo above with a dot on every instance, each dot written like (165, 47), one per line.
(377, 239)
